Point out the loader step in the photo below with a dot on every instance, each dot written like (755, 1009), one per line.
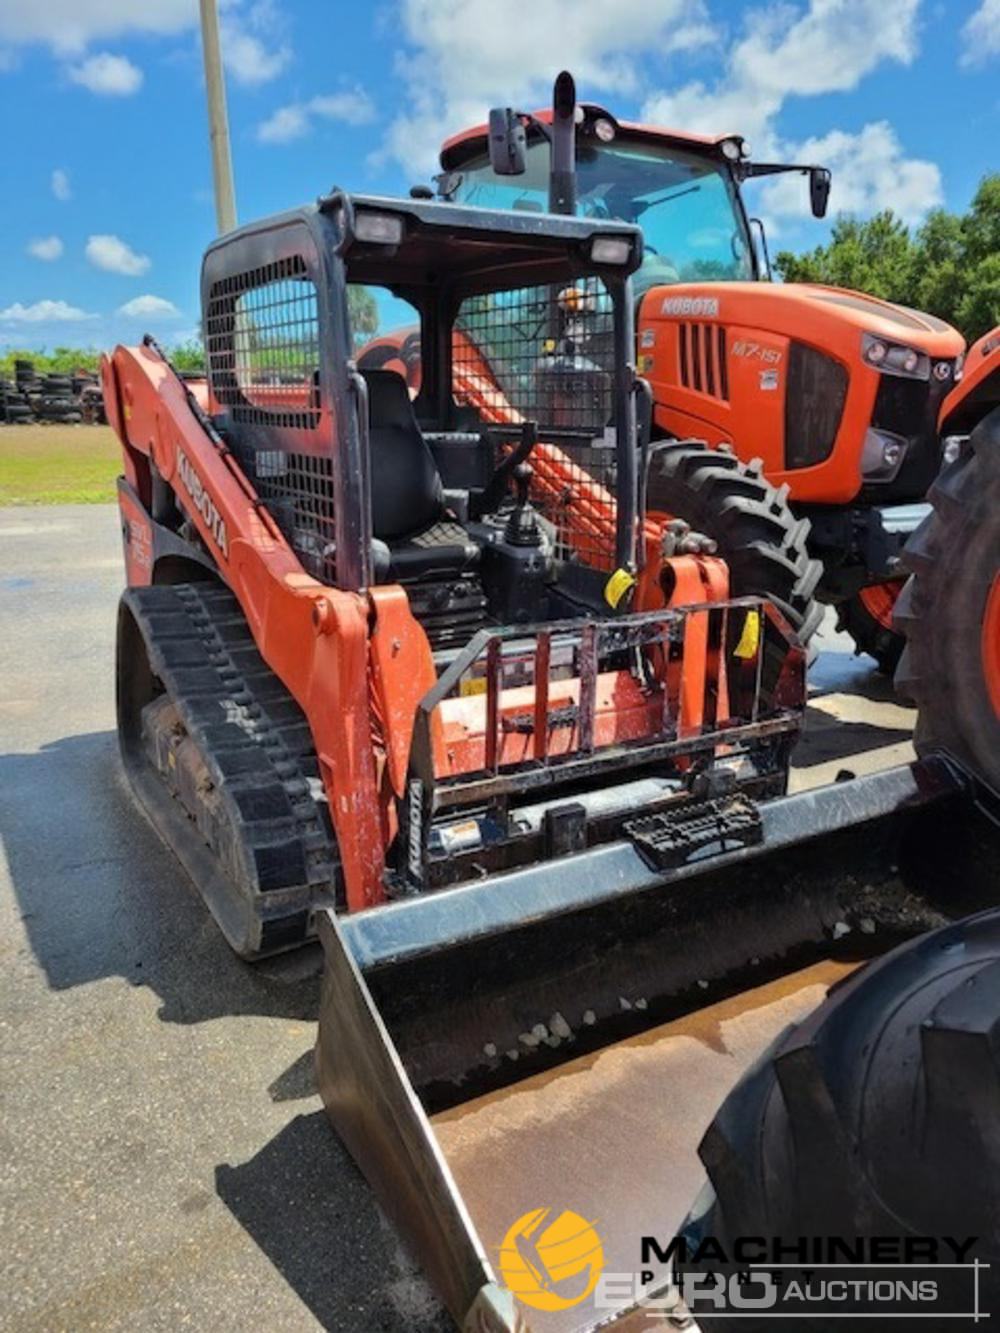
(222, 759)
(671, 839)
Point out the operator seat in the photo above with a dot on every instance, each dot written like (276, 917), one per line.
(409, 515)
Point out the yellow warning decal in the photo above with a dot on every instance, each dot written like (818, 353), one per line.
(750, 638)
(475, 685)
(618, 585)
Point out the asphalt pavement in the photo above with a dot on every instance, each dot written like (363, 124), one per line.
(164, 1160)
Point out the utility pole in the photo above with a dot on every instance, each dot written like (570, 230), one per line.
(218, 121)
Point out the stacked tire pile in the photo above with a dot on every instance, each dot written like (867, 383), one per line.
(56, 401)
(92, 404)
(15, 405)
(62, 399)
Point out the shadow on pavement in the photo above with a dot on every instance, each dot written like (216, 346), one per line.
(100, 895)
(306, 1205)
(825, 738)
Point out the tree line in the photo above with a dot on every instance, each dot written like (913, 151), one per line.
(948, 266)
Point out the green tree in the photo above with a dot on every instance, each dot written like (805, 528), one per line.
(188, 356)
(950, 266)
(362, 308)
(875, 256)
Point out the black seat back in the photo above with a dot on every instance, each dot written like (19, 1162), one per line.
(407, 495)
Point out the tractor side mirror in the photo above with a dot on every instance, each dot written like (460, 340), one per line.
(508, 142)
(819, 190)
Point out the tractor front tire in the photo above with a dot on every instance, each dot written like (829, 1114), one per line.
(950, 611)
(756, 533)
(875, 1117)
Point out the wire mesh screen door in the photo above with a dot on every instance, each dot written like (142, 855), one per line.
(262, 345)
(547, 354)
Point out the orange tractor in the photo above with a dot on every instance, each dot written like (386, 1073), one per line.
(423, 669)
(841, 399)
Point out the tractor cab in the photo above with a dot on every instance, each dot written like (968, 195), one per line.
(683, 194)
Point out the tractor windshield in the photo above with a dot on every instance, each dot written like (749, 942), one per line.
(686, 204)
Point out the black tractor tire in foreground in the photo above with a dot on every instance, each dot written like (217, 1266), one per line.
(879, 1116)
(871, 633)
(755, 531)
(952, 652)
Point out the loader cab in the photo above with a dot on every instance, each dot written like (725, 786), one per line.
(410, 457)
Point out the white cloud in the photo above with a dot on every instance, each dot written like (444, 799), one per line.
(352, 106)
(108, 252)
(286, 124)
(46, 247)
(786, 51)
(43, 312)
(149, 307)
(108, 75)
(870, 172)
(253, 45)
(981, 34)
(68, 26)
(827, 46)
(61, 187)
(466, 55)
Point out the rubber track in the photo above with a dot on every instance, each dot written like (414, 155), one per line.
(251, 734)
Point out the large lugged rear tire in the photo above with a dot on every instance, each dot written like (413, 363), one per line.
(876, 1117)
(758, 536)
(950, 611)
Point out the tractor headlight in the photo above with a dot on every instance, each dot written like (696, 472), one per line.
(604, 130)
(942, 371)
(378, 228)
(882, 455)
(895, 358)
(610, 249)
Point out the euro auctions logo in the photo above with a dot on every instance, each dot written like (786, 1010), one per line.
(551, 1264)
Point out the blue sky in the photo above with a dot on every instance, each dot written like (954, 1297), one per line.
(106, 206)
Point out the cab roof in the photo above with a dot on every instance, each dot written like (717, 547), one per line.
(467, 143)
(442, 244)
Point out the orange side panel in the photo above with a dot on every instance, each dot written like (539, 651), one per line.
(137, 540)
(402, 673)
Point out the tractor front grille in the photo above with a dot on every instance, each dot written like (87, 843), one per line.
(702, 353)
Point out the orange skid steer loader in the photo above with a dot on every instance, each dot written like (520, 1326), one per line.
(501, 738)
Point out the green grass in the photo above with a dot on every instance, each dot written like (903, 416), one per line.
(43, 465)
